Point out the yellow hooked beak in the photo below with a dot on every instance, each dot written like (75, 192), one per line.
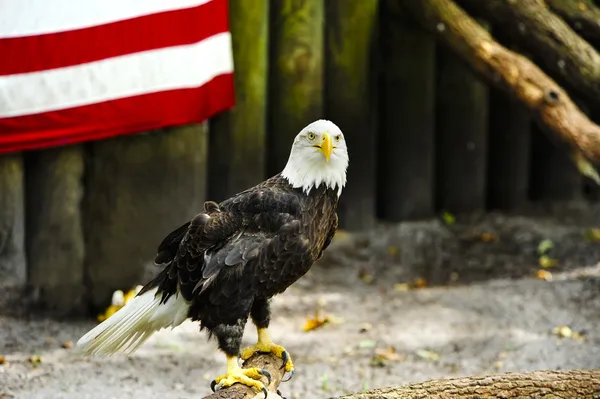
(327, 146)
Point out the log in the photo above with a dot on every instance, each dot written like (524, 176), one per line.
(55, 245)
(295, 74)
(515, 74)
(238, 136)
(461, 136)
(537, 384)
(350, 101)
(583, 16)
(406, 146)
(12, 221)
(508, 152)
(138, 189)
(554, 176)
(551, 42)
(266, 361)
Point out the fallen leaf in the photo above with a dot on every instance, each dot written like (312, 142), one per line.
(34, 359)
(366, 343)
(544, 275)
(544, 246)
(2, 360)
(401, 287)
(389, 353)
(448, 218)
(546, 261)
(488, 237)
(420, 283)
(567, 332)
(313, 324)
(67, 345)
(426, 354)
(592, 235)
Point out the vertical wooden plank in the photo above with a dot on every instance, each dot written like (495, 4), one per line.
(12, 221)
(406, 142)
(461, 136)
(238, 137)
(295, 74)
(55, 246)
(138, 189)
(554, 176)
(509, 152)
(350, 100)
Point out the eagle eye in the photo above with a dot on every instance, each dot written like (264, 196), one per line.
(311, 136)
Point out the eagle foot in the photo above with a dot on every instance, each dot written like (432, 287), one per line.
(249, 377)
(277, 350)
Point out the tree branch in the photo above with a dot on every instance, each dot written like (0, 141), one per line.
(266, 361)
(583, 16)
(548, 38)
(509, 71)
(537, 384)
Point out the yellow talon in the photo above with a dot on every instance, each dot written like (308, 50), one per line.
(235, 374)
(265, 345)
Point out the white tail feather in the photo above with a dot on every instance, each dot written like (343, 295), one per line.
(133, 324)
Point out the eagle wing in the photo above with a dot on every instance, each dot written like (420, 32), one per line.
(259, 223)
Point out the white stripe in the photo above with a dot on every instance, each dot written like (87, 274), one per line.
(112, 78)
(34, 17)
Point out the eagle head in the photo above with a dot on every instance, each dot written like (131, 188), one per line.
(319, 156)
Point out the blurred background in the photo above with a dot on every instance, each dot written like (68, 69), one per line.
(452, 182)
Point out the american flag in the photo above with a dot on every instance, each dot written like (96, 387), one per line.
(74, 71)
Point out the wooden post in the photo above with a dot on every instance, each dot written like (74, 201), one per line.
(295, 74)
(509, 152)
(12, 221)
(237, 137)
(55, 246)
(350, 101)
(461, 124)
(554, 176)
(406, 142)
(138, 189)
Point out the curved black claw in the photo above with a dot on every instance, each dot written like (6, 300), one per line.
(266, 374)
(285, 357)
(264, 390)
(213, 384)
(290, 377)
(280, 394)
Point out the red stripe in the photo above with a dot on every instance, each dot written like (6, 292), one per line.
(118, 117)
(170, 28)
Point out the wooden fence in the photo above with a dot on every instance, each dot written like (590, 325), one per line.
(424, 135)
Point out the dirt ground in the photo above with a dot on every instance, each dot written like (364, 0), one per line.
(481, 311)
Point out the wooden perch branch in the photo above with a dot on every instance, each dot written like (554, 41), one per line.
(547, 37)
(537, 384)
(266, 361)
(509, 71)
(583, 16)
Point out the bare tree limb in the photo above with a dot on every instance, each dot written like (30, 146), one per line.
(548, 38)
(537, 384)
(583, 16)
(509, 71)
(266, 361)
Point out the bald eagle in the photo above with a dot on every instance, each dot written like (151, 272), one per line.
(226, 263)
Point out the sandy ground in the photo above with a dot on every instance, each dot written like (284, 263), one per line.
(483, 311)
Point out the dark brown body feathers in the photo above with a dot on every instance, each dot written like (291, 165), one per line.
(241, 252)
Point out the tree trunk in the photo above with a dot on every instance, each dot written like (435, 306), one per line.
(583, 16)
(12, 221)
(55, 247)
(350, 101)
(537, 384)
(406, 144)
(238, 136)
(295, 74)
(266, 361)
(138, 189)
(548, 38)
(509, 71)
